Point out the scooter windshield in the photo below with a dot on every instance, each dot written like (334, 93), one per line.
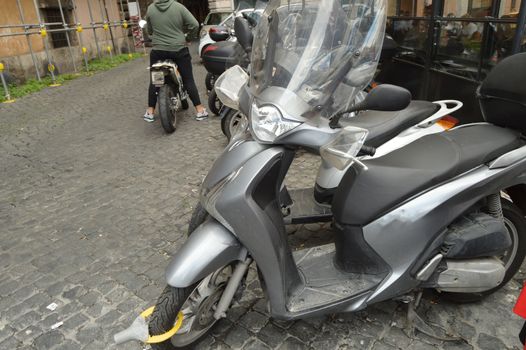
(323, 51)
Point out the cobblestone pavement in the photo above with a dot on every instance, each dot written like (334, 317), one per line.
(94, 201)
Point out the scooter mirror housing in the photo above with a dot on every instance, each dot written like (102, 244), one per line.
(243, 33)
(142, 23)
(384, 97)
(219, 33)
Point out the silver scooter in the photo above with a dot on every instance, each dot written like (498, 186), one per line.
(442, 212)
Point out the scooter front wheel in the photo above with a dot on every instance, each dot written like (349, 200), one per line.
(196, 304)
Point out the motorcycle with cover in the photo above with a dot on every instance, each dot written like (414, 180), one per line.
(444, 212)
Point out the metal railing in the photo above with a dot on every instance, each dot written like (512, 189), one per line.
(43, 29)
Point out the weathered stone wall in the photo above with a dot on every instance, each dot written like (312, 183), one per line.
(14, 50)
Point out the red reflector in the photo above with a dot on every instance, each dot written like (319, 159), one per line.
(209, 48)
(520, 306)
(447, 122)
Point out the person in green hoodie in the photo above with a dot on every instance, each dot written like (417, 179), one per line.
(169, 23)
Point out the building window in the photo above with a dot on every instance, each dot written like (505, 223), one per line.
(52, 15)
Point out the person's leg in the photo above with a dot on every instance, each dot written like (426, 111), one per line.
(184, 62)
(152, 90)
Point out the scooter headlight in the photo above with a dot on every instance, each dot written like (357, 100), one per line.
(267, 123)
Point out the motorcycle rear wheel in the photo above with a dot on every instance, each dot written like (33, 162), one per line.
(210, 81)
(167, 112)
(214, 103)
(515, 222)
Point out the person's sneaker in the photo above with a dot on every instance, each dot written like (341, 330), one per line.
(148, 117)
(202, 115)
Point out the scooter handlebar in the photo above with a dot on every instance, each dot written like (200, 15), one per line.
(367, 150)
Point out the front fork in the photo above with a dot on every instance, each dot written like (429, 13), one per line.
(231, 288)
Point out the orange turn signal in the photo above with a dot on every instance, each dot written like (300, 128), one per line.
(447, 122)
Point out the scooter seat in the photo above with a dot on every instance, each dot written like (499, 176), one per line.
(383, 126)
(426, 162)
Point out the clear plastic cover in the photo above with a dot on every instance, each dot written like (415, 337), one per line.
(229, 85)
(323, 51)
(342, 150)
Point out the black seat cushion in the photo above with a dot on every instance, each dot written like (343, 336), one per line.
(383, 126)
(421, 164)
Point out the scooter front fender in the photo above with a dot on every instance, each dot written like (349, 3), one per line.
(210, 247)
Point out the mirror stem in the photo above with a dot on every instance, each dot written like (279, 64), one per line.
(334, 120)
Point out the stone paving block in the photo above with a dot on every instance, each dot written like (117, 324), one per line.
(88, 334)
(272, 335)
(6, 332)
(326, 340)
(75, 321)
(292, 343)
(8, 287)
(419, 345)
(10, 343)
(236, 337)
(68, 345)
(303, 331)
(235, 312)
(255, 344)
(221, 328)
(49, 340)
(487, 342)
(396, 337)
(456, 346)
(382, 346)
(253, 321)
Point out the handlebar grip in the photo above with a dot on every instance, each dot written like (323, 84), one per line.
(368, 150)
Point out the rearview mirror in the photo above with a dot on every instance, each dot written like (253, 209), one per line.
(385, 97)
(243, 33)
(219, 33)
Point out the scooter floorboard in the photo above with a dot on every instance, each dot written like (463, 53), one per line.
(324, 283)
(305, 209)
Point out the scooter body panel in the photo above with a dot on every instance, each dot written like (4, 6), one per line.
(402, 236)
(249, 203)
(216, 247)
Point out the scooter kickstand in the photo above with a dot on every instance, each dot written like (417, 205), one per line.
(415, 322)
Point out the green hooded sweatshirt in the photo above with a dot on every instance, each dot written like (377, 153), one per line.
(168, 21)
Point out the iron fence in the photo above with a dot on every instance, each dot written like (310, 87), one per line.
(61, 31)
